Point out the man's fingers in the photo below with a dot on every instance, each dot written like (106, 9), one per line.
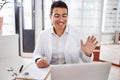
(42, 63)
(81, 42)
(88, 39)
(96, 43)
(93, 40)
(45, 63)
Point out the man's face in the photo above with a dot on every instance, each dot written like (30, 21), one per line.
(59, 18)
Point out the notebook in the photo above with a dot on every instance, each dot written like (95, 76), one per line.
(32, 72)
(83, 71)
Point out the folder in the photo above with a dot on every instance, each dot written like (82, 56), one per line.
(32, 72)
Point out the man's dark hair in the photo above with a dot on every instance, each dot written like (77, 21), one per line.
(58, 4)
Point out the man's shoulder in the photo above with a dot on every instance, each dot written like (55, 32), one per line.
(46, 31)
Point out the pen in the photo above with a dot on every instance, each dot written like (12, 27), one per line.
(20, 68)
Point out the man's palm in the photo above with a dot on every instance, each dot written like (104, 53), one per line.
(89, 46)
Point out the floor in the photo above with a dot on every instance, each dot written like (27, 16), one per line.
(10, 67)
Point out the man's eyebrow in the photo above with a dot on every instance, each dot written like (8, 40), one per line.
(60, 14)
(56, 14)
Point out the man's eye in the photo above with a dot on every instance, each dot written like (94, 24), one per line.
(56, 16)
(64, 15)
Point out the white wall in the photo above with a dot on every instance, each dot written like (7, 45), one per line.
(107, 38)
(38, 18)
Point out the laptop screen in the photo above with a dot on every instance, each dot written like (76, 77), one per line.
(83, 71)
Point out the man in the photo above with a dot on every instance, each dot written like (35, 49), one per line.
(62, 44)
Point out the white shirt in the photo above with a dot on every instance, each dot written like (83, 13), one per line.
(58, 47)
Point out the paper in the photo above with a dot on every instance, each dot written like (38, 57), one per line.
(32, 72)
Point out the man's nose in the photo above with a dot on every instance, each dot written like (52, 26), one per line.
(61, 18)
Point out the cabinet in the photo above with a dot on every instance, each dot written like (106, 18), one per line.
(111, 16)
(110, 52)
(9, 46)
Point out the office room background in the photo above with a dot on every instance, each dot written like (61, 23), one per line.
(24, 19)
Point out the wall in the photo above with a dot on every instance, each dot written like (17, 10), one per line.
(107, 38)
(38, 18)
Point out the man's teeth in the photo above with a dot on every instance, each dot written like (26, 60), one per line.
(60, 23)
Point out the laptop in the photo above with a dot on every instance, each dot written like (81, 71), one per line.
(83, 71)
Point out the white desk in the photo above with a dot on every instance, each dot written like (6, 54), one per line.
(114, 74)
(34, 73)
(13, 62)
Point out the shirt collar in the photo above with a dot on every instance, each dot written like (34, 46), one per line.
(66, 30)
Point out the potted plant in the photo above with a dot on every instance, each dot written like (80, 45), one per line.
(1, 22)
(2, 3)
